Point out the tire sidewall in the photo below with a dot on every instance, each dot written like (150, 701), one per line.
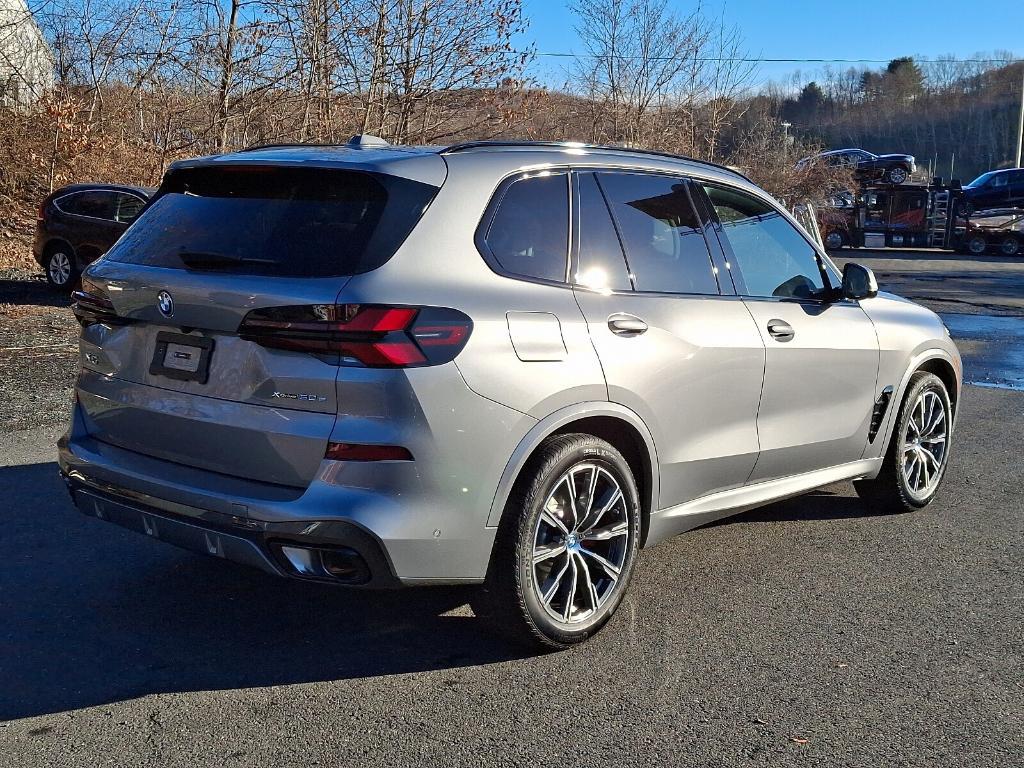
(592, 451)
(926, 382)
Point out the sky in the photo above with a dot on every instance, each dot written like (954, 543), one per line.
(816, 29)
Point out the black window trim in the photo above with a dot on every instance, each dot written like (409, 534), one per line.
(688, 182)
(56, 203)
(832, 291)
(484, 226)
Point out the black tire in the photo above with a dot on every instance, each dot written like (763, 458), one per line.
(1009, 245)
(891, 492)
(510, 601)
(976, 245)
(61, 267)
(835, 240)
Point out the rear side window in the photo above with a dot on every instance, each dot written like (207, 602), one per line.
(288, 222)
(529, 233)
(771, 256)
(600, 264)
(97, 204)
(663, 236)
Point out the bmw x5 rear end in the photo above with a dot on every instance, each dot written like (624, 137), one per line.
(246, 392)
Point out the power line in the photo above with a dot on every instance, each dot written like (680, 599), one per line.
(765, 60)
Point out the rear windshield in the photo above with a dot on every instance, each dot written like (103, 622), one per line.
(289, 222)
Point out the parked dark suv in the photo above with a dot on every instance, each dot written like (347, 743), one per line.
(890, 169)
(995, 189)
(77, 224)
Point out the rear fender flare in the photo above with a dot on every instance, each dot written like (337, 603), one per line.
(551, 424)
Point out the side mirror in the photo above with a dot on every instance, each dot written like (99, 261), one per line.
(858, 282)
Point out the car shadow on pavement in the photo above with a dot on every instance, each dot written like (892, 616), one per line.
(32, 292)
(817, 505)
(91, 614)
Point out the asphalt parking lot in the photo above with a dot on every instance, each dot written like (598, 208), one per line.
(808, 633)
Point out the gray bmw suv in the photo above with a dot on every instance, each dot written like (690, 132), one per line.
(505, 364)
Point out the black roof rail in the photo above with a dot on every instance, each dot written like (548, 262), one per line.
(580, 145)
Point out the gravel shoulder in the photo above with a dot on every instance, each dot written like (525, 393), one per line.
(38, 351)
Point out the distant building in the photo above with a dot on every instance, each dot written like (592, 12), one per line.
(26, 63)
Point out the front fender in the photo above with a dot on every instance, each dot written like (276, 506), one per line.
(879, 447)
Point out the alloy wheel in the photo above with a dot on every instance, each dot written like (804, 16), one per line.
(580, 543)
(924, 444)
(898, 175)
(1010, 246)
(60, 268)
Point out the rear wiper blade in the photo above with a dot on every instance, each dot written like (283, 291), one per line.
(202, 259)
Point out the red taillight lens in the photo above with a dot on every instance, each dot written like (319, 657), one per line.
(91, 305)
(41, 210)
(355, 452)
(369, 334)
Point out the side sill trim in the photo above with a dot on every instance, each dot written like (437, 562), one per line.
(666, 523)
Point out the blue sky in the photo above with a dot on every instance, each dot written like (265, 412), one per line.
(841, 29)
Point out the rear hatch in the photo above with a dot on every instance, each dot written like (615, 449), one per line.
(166, 371)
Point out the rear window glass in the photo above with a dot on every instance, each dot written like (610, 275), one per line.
(663, 236)
(97, 204)
(289, 222)
(601, 264)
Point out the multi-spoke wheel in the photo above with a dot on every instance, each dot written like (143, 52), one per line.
(897, 174)
(924, 444)
(61, 270)
(918, 451)
(580, 543)
(566, 545)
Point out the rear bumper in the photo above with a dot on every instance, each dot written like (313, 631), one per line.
(406, 534)
(256, 544)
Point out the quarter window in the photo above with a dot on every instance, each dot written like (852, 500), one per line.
(529, 234)
(770, 255)
(128, 207)
(662, 235)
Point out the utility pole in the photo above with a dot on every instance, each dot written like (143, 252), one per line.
(1020, 124)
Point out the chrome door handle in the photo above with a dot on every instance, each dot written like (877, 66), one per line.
(622, 324)
(781, 330)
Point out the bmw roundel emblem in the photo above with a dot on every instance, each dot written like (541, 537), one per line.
(165, 303)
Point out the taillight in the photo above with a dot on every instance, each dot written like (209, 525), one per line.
(368, 334)
(41, 210)
(91, 305)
